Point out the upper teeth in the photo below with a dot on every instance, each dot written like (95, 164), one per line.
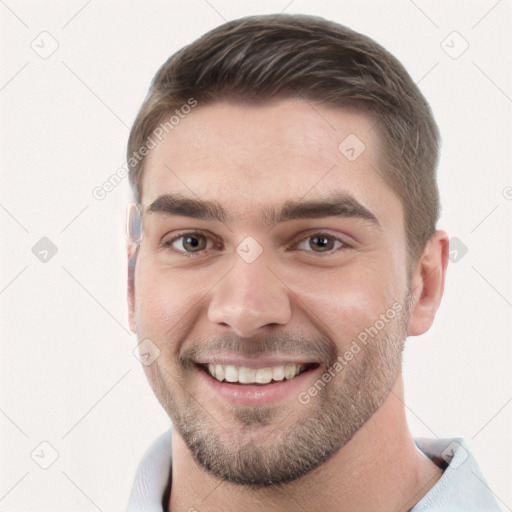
(245, 375)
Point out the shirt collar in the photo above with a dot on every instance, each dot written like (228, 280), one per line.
(461, 487)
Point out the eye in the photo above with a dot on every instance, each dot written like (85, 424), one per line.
(193, 242)
(324, 242)
(188, 243)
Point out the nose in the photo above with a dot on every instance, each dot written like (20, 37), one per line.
(248, 298)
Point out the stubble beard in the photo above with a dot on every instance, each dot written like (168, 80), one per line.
(317, 430)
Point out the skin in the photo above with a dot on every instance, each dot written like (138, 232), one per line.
(249, 157)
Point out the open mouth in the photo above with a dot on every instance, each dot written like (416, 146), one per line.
(255, 376)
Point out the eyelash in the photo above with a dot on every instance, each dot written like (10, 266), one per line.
(168, 243)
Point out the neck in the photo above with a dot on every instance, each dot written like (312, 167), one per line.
(380, 468)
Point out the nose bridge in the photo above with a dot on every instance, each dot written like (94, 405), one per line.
(249, 297)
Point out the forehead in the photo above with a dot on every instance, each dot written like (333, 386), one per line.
(252, 156)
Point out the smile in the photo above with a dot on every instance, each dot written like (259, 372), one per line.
(244, 375)
(267, 384)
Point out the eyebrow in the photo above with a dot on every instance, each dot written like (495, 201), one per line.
(337, 205)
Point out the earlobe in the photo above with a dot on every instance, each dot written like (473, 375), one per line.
(427, 284)
(131, 252)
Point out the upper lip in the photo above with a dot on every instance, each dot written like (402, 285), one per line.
(255, 362)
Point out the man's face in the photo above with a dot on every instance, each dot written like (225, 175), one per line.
(273, 288)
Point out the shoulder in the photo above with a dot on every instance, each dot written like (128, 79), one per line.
(152, 475)
(462, 486)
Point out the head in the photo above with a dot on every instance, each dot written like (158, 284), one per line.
(285, 169)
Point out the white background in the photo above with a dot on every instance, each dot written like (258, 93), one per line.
(68, 374)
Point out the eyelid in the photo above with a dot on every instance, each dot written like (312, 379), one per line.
(300, 238)
(167, 243)
(305, 236)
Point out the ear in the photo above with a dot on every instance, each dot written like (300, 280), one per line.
(427, 283)
(131, 253)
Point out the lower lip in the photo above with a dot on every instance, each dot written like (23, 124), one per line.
(263, 394)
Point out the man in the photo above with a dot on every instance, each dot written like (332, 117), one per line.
(283, 245)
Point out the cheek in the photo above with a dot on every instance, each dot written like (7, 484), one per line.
(349, 300)
(169, 302)
(162, 300)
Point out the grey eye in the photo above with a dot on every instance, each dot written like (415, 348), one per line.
(320, 243)
(188, 242)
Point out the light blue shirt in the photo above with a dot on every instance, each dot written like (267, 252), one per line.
(461, 488)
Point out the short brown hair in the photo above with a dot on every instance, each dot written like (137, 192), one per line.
(308, 57)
